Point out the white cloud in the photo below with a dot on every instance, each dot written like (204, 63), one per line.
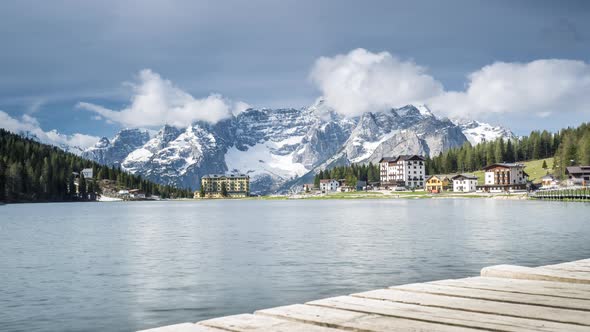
(240, 107)
(30, 126)
(157, 101)
(540, 87)
(361, 81)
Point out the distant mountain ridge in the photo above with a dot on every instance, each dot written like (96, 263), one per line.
(279, 148)
(477, 132)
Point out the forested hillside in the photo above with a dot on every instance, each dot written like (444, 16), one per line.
(568, 147)
(352, 173)
(35, 172)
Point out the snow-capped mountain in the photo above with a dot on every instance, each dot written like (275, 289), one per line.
(276, 147)
(477, 132)
(113, 152)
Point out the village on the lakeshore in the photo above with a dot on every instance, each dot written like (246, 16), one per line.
(407, 173)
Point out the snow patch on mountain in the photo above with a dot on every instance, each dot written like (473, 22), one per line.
(259, 160)
(477, 132)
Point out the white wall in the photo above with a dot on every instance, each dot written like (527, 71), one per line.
(464, 185)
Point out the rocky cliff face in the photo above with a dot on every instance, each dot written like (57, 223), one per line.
(113, 152)
(276, 147)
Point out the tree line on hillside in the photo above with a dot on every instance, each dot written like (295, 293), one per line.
(352, 174)
(570, 146)
(35, 172)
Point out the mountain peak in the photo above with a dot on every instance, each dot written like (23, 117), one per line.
(278, 147)
(477, 132)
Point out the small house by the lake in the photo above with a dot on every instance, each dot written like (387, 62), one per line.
(464, 183)
(329, 185)
(309, 187)
(549, 181)
(136, 194)
(578, 175)
(438, 183)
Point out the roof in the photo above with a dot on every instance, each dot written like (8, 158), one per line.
(87, 170)
(465, 176)
(505, 165)
(327, 180)
(548, 177)
(402, 157)
(217, 176)
(441, 176)
(577, 170)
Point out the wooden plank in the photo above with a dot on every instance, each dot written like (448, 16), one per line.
(529, 273)
(444, 316)
(500, 296)
(252, 323)
(184, 327)
(519, 286)
(571, 266)
(350, 320)
(481, 306)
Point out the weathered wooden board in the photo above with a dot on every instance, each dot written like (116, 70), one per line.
(521, 286)
(252, 323)
(481, 306)
(350, 320)
(184, 327)
(537, 273)
(500, 296)
(577, 266)
(444, 316)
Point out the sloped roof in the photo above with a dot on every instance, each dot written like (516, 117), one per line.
(217, 176)
(577, 170)
(465, 176)
(506, 165)
(402, 157)
(441, 176)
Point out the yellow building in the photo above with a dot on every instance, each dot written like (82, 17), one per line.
(219, 185)
(438, 183)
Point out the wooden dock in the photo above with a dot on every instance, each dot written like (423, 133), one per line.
(504, 298)
(563, 194)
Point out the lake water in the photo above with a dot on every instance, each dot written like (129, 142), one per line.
(129, 266)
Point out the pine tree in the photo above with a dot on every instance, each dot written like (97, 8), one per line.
(82, 189)
(544, 166)
(509, 155)
(202, 192)
(2, 181)
(584, 149)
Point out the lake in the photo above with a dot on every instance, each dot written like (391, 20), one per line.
(135, 265)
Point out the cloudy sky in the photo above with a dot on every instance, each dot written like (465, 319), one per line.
(78, 67)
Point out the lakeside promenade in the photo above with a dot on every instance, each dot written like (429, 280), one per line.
(504, 298)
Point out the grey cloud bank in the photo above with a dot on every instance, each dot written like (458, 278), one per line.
(58, 53)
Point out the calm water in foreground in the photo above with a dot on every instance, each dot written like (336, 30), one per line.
(128, 266)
